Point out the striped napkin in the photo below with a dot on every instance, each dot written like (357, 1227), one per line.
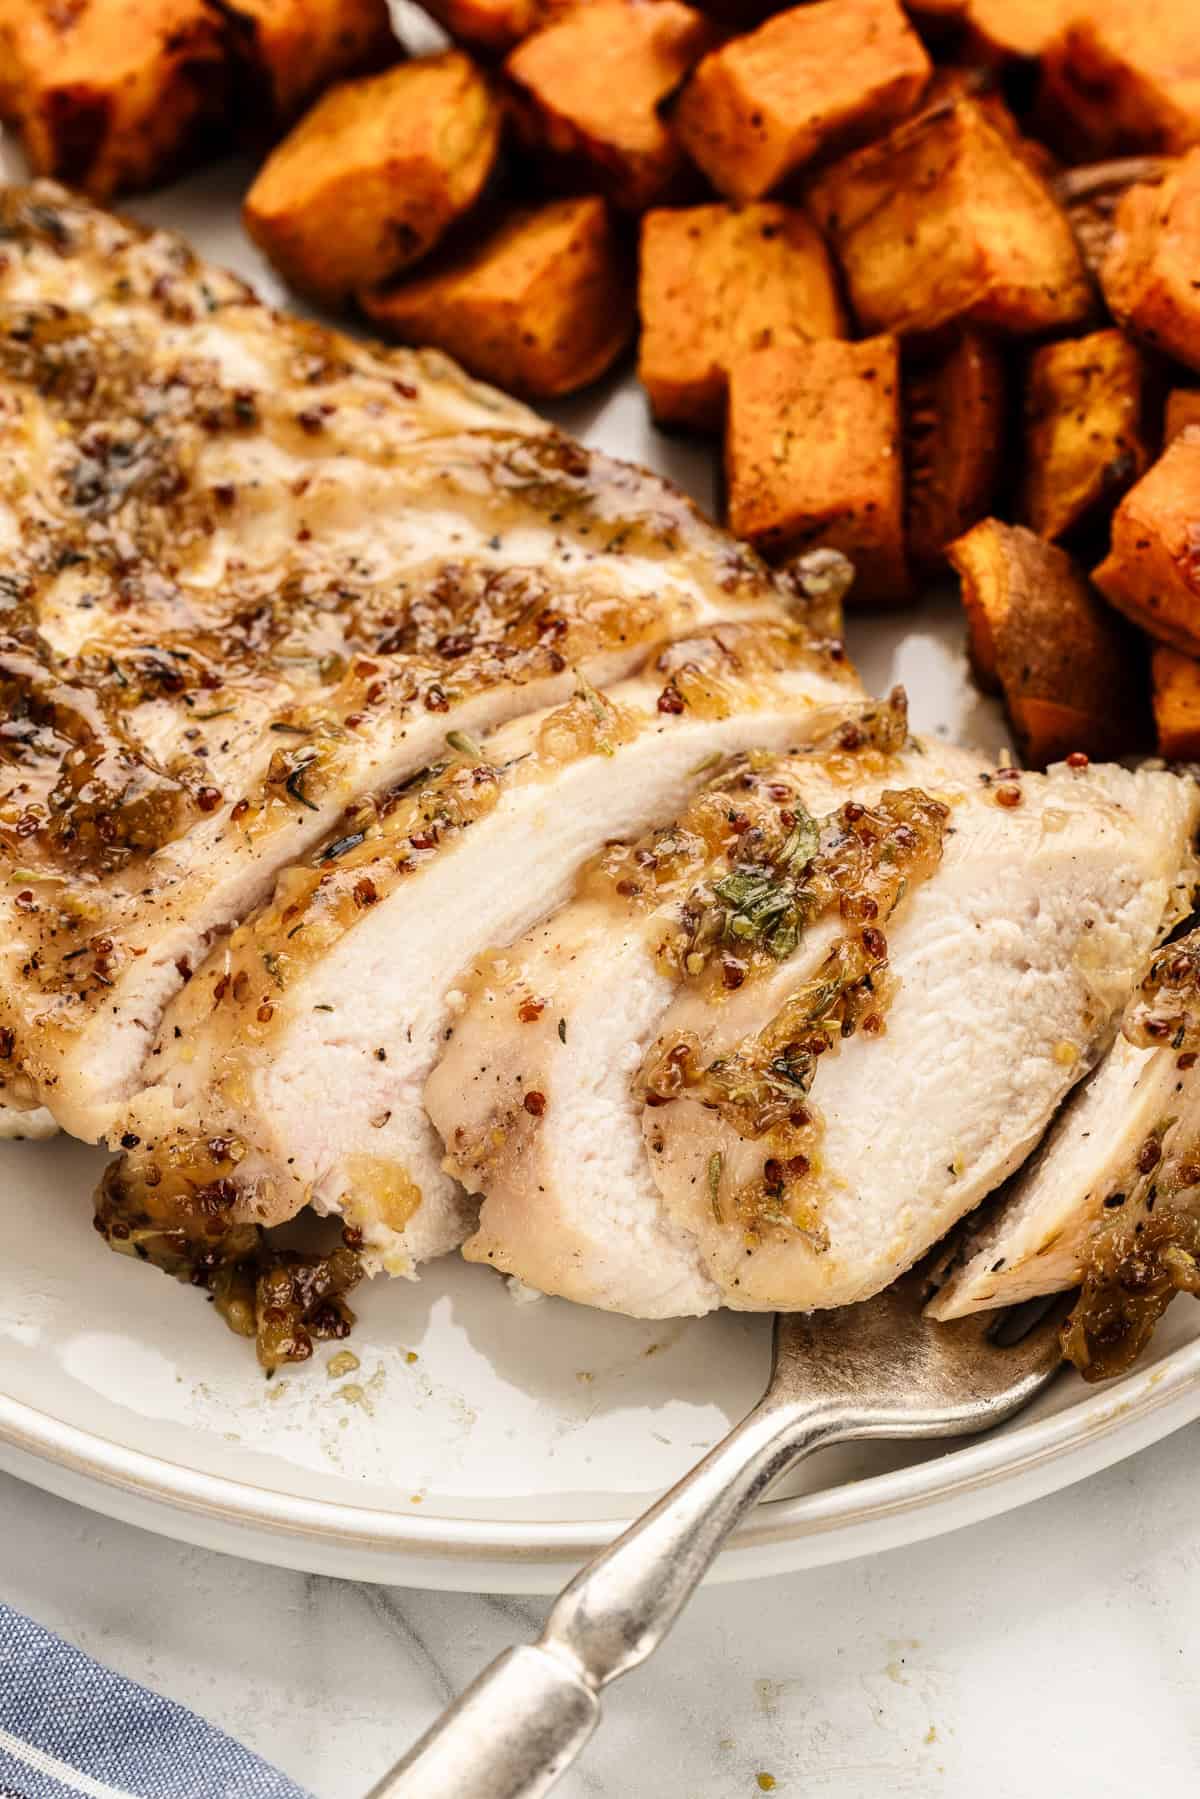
(69, 1726)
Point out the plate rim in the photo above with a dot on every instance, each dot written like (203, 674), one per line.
(850, 1508)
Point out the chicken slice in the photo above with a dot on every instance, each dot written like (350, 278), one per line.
(290, 1069)
(544, 1120)
(252, 570)
(1117, 1177)
(1006, 959)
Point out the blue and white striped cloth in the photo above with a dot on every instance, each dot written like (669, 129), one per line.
(69, 1727)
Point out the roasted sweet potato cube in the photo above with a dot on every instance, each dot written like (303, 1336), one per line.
(542, 305)
(1152, 571)
(1090, 196)
(1175, 695)
(1124, 75)
(824, 75)
(375, 174)
(812, 455)
(1069, 669)
(111, 95)
(291, 50)
(589, 88)
(716, 280)
(1182, 412)
(1151, 274)
(1085, 430)
(943, 220)
(954, 411)
(976, 83)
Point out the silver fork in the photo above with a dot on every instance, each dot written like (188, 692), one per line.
(873, 1370)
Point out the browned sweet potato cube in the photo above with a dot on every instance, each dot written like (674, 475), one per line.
(826, 74)
(1090, 196)
(1124, 75)
(1175, 694)
(953, 437)
(976, 83)
(293, 49)
(375, 174)
(1085, 430)
(542, 305)
(1182, 412)
(589, 88)
(111, 94)
(716, 280)
(1152, 571)
(944, 220)
(1068, 668)
(812, 455)
(1151, 274)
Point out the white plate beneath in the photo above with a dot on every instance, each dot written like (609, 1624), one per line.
(479, 1444)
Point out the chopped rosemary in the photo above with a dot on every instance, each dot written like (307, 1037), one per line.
(294, 787)
(271, 964)
(221, 712)
(342, 846)
(293, 730)
(562, 1030)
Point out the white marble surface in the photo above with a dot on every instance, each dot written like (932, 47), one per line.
(1050, 1652)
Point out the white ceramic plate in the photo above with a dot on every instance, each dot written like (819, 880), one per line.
(479, 1444)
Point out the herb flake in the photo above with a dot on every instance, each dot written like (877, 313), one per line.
(716, 1164)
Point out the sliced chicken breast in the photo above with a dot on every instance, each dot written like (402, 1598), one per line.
(253, 570)
(542, 1116)
(1006, 959)
(290, 1069)
(1126, 1148)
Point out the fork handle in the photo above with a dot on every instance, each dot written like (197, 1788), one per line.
(525, 1719)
